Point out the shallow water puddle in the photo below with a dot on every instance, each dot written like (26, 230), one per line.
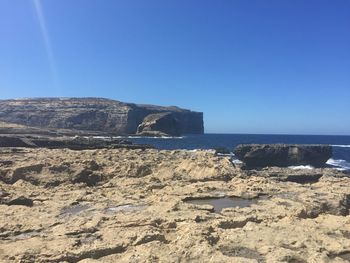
(291, 196)
(25, 235)
(126, 208)
(344, 255)
(223, 202)
(242, 252)
(305, 179)
(73, 210)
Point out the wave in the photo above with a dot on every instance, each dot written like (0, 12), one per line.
(301, 167)
(236, 161)
(339, 164)
(341, 145)
(193, 150)
(226, 154)
(232, 156)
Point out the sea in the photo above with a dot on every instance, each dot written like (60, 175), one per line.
(340, 144)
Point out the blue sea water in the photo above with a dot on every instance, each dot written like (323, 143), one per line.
(341, 144)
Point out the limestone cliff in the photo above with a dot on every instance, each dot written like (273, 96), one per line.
(164, 122)
(95, 114)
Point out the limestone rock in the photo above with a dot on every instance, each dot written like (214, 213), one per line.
(263, 155)
(92, 114)
(21, 200)
(164, 123)
(86, 176)
(137, 210)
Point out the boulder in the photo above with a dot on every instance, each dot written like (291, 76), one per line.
(283, 155)
(160, 123)
(21, 200)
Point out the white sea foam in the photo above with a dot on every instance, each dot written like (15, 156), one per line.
(99, 137)
(339, 164)
(226, 154)
(191, 151)
(236, 161)
(341, 145)
(301, 167)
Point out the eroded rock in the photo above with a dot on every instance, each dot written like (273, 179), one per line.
(283, 155)
(92, 114)
(86, 176)
(21, 200)
(135, 214)
(160, 124)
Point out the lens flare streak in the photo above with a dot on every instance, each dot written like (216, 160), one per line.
(47, 44)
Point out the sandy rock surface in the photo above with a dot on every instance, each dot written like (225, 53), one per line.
(119, 205)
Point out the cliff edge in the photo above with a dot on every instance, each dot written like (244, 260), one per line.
(94, 114)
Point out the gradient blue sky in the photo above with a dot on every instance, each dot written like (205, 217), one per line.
(252, 66)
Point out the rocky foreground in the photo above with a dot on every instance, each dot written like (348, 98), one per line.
(122, 205)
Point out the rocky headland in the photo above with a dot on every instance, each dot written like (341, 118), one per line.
(93, 115)
(147, 205)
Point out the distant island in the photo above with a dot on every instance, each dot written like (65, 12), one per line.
(101, 115)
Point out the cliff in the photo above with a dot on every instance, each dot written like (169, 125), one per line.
(163, 123)
(93, 114)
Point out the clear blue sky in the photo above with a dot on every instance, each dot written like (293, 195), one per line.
(252, 66)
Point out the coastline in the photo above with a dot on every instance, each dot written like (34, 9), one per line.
(119, 205)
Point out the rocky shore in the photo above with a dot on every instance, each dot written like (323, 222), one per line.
(146, 205)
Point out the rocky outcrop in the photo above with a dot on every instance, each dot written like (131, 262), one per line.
(301, 175)
(92, 114)
(119, 205)
(165, 123)
(263, 155)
